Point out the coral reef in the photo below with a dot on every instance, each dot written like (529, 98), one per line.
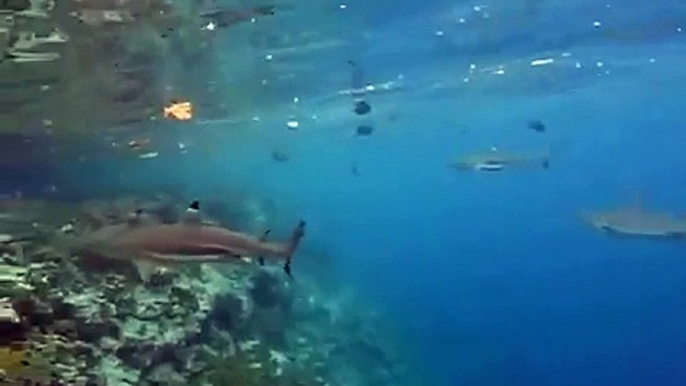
(246, 325)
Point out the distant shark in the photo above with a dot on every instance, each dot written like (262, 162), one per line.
(149, 244)
(496, 160)
(635, 221)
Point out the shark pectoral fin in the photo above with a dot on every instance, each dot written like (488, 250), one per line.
(287, 269)
(145, 270)
(260, 260)
(266, 233)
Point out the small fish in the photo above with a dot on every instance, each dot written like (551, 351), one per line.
(364, 130)
(280, 156)
(362, 107)
(355, 170)
(536, 125)
(225, 17)
(137, 144)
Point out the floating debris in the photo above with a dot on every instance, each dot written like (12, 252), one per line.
(153, 154)
(293, 124)
(180, 111)
(542, 62)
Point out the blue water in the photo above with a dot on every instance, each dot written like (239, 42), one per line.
(492, 277)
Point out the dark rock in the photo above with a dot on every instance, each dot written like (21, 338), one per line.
(268, 289)
(228, 313)
(66, 328)
(11, 327)
(81, 348)
(17, 5)
(126, 306)
(92, 330)
(138, 356)
(185, 298)
(35, 313)
(365, 130)
(147, 356)
(161, 278)
(165, 375)
(62, 310)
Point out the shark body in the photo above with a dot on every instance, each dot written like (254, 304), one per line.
(497, 161)
(637, 222)
(189, 241)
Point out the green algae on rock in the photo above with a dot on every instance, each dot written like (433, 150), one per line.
(14, 282)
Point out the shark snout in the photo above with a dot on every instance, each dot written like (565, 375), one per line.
(593, 219)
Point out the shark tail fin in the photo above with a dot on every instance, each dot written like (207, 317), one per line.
(263, 239)
(292, 245)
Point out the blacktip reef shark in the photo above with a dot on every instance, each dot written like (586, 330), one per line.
(150, 244)
(495, 161)
(635, 221)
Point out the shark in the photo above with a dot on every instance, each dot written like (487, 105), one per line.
(151, 245)
(495, 161)
(636, 221)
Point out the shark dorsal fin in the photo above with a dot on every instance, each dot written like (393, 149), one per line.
(192, 215)
(136, 218)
